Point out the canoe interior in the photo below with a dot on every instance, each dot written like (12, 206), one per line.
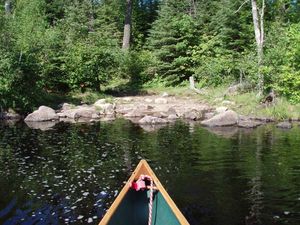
(133, 210)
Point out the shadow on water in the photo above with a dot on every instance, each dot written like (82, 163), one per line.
(70, 173)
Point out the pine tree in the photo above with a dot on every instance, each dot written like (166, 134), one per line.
(144, 14)
(172, 35)
(92, 43)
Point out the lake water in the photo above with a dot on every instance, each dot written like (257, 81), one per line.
(71, 173)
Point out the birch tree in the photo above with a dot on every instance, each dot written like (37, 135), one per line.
(258, 23)
(7, 6)
(127, 25)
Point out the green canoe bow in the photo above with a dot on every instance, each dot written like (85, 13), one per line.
(134, 210)
(132, 207)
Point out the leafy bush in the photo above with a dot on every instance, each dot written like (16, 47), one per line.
(288, 84)
(283, 62)
(89, 65)
(213, 65)
(138, 67)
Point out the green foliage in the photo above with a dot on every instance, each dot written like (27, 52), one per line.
(144, 14)
(88, 65)
(58, 46)
(171, 37)
(139, 67)
(20, 49)
(91, 52)
(212, 65)
(222, 54)
(284, 61)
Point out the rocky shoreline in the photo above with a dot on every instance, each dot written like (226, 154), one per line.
(147, 111)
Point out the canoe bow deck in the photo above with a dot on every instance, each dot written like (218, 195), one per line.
(131, 207)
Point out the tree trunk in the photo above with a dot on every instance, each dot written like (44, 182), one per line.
(127, 26)
(193, 9)
(258, 22)
(91, 19)
(7, 6)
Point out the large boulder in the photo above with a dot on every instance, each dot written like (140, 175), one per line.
(193, 115)
(44, 113)
(227, 118)
(152, 120)
(208, 115)
(221, 109)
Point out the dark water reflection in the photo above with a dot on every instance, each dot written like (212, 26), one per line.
(71, 173)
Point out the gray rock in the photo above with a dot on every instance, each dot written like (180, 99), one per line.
(44, 113)
(160, 114)
(135, 113)
(139, 111)
(165, 94)
(208, 115)
(172, 117)
(148, 100)
(161, 101)
(66, 106)
(81, 112)
(110, 117)
(228, 118)
(124, 109)
(284, 125)
(263, 119)
(249, 123)
(100, 102)
(84, 113)
(10, 115)
(95, 116)
(67, 114)
(106, 108)
(171, 111)
(127, 99)
(193, 115)
(221, 109)
(152, 120)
